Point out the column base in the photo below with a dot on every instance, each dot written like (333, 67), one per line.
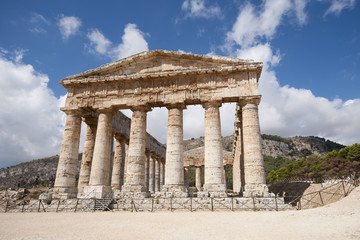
(129, 195)
(169, 190)
(133, 188)
(211, 194)
(256, 190)
(214, 187)
(96, 192)
(63, 193)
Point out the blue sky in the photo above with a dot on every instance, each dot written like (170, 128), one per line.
(310, 49)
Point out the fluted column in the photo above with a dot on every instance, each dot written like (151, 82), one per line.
(255, 182)
(100, 169)
(65, 183)
(238, 155)
(151, 173)
(162, 174)
(174, 168)
(135, 172)
(126, 161)
(87, 156)
(99, 184)
(157, 175)
(147, 171)
(117, 176)
(198, 178)
(186, 178)
(214, 179)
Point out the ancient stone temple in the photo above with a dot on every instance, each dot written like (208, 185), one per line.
(141, 165)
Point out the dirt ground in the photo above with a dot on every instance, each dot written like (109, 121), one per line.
(339, 220)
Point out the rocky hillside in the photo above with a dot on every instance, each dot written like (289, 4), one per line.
(274, 146)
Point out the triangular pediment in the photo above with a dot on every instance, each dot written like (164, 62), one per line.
(164, 63)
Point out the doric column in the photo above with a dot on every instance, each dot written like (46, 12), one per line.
(87, 156)
(198, 178)
(99, 184)
(238, 153)
(186, 178)
(147, 171)
(157, 175)
(214, 179)
(151, 173)
(65, 183)
(126, 161)
(162, 174)
(117, 176)
(174, 168)
(135, 172)
(255, 182)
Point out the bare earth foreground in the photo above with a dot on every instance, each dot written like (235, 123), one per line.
(340, 220)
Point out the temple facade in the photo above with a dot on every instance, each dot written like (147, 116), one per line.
(141, 165)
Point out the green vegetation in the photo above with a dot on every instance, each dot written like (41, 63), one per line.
(275, 138)
(339, 164)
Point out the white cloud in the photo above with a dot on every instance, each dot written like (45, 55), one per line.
(285, 110)
(98, 41)
(133, 41)
(38, 18)
(338, 5)
(68, 26)
(197, 9)
(39, 23)
(30, 119)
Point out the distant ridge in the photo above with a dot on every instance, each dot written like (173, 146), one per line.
(274, 146)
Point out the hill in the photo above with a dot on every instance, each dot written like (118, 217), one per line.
(277, 152)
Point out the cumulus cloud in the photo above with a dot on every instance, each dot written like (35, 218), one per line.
(285, 110)
(253, 25)
(30, 120)
(98, 42)
(133, 41)
(338, 5)
(68, 25)
(197, 9)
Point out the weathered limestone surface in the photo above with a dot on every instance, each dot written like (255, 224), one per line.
(255, 182)
(161, 79)
(152, 174)
(198, 178)
(135, 172)
(157, 175)
(147, 170)
(174, 173)
(99, 184)
(86, 161)
(186, 178)
(68, 160)
(238, 153)
(117, 178)
(100, 173)
(214, 179)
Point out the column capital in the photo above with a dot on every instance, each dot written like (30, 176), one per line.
(209, 104)
(90, 121)
(142, 108)
(176, 105)
(107, 110)
(120, 137)
(251, 99)
(73, 111)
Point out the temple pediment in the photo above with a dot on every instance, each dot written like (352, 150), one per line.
(159, 63)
